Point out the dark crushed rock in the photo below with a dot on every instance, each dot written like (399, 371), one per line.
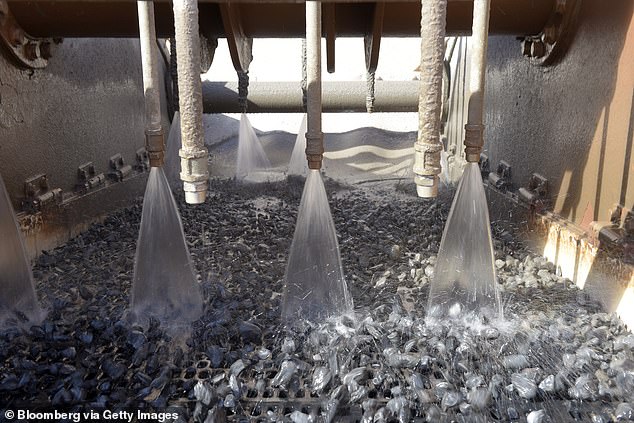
(558, 358)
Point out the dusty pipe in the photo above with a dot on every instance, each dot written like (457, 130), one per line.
(193, 154)
(314, 136)
(154, 138)
(474, 129)
(286, 97)
(428, 146)
(273, 19)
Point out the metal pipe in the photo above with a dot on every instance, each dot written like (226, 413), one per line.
(474, 129)
(286, 97)
(194, 155)
(428, 146)
(271, 19)
(314, 136)
(154, 138)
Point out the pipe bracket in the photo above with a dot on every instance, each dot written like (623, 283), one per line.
(27, 51)
(501, 178)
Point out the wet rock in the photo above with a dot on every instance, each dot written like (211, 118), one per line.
(321, 378)
(229, 401)
(357, 375)
(329, 410)
(624, 342)
(399, 407)
(237, 367)
(288, 346)
(68, 353)
(450, 399)
(287, 370)
(136, 339)
(515, 361)
(479, 398)
(250, 332)
(585, 388)
(525, 387)
(537, 416)
(399, 360)
(264, 353)
(216, 355)
(113, 369)
(624, 411)
(395, 252)
(512, 413)
(548, 384)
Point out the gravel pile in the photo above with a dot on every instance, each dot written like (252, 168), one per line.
(556, 357)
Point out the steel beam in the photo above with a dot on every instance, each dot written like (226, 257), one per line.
(330, 31)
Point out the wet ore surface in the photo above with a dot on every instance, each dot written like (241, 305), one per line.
(555, 357)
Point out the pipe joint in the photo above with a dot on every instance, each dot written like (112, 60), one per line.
(427, 168)
(194, 174)
(155, 146)
(473, 141)
(427, 159)
(426, 186)
(315, 150)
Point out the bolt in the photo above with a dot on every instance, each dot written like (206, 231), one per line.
(526, 47)
(538, 49)
(550, 34)
(45, 50)
(31, 51)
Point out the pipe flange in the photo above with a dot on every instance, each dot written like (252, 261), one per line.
(26, 50)
(550, 45)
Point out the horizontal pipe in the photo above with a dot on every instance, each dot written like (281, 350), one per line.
(269, 19)
(286, 97)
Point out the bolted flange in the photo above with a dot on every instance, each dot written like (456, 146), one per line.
(550, 45)
(25, 50)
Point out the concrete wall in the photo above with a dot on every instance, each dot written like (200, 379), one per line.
(85, 106)
(571, 122)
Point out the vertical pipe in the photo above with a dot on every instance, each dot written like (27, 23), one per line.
(154, 139)
(314, 136)
(474, 129)
(194, 171)
(428, 146)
